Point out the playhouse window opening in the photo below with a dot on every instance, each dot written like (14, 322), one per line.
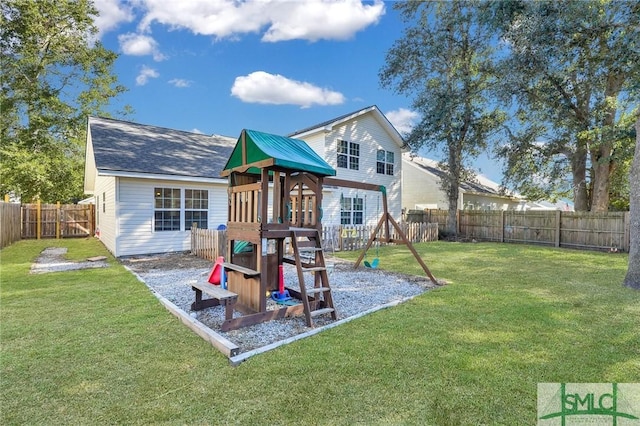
(348, 155)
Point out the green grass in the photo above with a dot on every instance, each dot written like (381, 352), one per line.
(95, 346)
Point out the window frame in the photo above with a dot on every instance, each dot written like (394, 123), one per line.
(176, 213)
(351, 211)
(385, 165)
(190, 210)
(348, 155)
(164, 216)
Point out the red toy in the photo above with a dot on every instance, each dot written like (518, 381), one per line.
(216, 275)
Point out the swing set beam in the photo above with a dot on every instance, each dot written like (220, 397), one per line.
(385, 220)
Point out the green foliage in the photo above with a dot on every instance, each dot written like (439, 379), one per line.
(444, 63)
(54, 74)
(573, 68)
(96, 347)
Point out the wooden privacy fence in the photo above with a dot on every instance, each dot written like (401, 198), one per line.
(211, 243)
(208, 243)
(57, 220)
(9, 223)
(580, 230)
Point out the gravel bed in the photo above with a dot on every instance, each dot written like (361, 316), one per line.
(354, 291)
(51, 259)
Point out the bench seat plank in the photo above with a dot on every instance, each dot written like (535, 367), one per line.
(247, 271)
(219, 296)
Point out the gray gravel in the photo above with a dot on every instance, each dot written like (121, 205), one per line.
(52, 259)
(354, 291)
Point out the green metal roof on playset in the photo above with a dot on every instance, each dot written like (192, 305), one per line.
(267, 150)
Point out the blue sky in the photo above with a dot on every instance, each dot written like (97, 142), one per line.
(218, 66)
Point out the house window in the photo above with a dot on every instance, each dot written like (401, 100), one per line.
(348, 155)
(384, 162)
(351, 211)
(167, 209)
(196, 208)
(104, 203)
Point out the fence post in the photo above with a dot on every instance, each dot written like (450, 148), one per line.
(58, 219)
(502, 226)
(38, 220)
(627, 232)
(557, 234)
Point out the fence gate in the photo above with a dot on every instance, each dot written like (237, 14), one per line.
(57, 221)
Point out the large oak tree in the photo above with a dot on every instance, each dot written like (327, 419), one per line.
(443, 63)
(632, 278)
(573, 68)
(54, 74)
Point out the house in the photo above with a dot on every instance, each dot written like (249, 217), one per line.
(151, 183)
(362, 146)
(421, 189)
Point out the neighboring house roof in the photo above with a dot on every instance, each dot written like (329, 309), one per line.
(482, 185)
(328, 125)
(125, 148)
(258, 149)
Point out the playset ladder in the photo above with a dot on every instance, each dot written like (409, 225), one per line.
(317, 300)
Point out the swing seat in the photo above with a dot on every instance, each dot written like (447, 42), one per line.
(373, 264)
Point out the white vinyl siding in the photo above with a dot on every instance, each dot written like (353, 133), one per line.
(371, 136)
(421, 187)
(106, 221)
(136, 207)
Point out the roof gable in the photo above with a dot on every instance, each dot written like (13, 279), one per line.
(382, 120)
(257, 149)
(125, 147)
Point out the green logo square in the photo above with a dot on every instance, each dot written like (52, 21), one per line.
(565, 404)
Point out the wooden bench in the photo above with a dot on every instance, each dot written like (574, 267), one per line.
(219, 296)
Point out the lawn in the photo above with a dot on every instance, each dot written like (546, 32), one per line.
(95, 346)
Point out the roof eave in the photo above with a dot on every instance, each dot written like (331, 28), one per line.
(160, 176)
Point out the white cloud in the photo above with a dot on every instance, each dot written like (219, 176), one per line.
(264, 88)
(196, 130)
(140, 45)
(145, 74)
(284, 20)
(402, 119)
(315, 20)
(180, 82)
(111, 14)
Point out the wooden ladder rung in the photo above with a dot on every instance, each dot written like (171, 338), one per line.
(309, 249)
(317, 290)
(321, 311)
(314, 269)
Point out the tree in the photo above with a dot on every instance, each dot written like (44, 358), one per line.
(572, 67)
(632, 279)
(54, 74)
(443, 62)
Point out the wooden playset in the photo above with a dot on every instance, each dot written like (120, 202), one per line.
(275, 196)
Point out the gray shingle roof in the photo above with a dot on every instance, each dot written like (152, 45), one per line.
(121, 146)
(469, 186)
